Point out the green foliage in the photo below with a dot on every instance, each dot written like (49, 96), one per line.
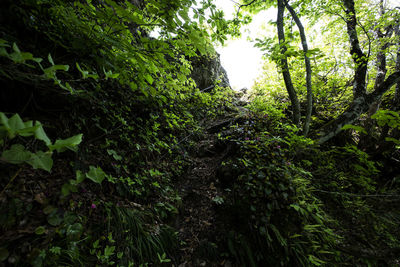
(354, 127)
(280, 221)
(97, 175)
(136, 240)
(128, 66)
(387, 117)
(12, 127)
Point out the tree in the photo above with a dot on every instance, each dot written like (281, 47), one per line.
(304, 44)
(364, 96)
(284, 65)
(362, 101)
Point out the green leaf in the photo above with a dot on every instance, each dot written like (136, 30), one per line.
(96, 244)
(97, 175)
(51, 71)
(83, 72)
(391, 139)
(16, 154)
(79, 177)
(15, 48)
(74, 231)
(113, 153)
(66, 189)
(70, 143)
(28, 130)
(50, 59)
(41, 135)
(4, 120)
(54, 219)
(41, 160)
(109, 251)
(354, 127)
(55, 250)
(148, 78)
(16, 123)
(40, 230)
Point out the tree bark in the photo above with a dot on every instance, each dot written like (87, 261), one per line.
(306, 126)
(285, 66)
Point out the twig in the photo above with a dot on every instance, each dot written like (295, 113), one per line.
(244, 5)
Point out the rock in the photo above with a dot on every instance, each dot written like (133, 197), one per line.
(207, 70)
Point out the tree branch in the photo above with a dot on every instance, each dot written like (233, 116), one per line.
(244, 5)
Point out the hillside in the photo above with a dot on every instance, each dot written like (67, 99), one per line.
(122, 147)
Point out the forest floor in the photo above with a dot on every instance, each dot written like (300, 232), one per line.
(201, 192)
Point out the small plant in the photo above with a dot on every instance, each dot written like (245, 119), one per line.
(163, 258)
(13, 127)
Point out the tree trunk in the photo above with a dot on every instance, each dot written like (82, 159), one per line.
(285, 66)
(306, 126)
(359, 58)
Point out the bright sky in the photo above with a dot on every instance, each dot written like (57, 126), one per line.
(241, 60)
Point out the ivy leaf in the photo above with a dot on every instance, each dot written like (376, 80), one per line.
(70, 143)
(97, 175)
(16, 154)
(41, 160)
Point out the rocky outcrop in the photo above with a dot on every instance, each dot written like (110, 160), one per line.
(207, 71)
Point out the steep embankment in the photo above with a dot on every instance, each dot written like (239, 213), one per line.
(119, 149)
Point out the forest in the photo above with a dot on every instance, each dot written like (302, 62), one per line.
(123, 144)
